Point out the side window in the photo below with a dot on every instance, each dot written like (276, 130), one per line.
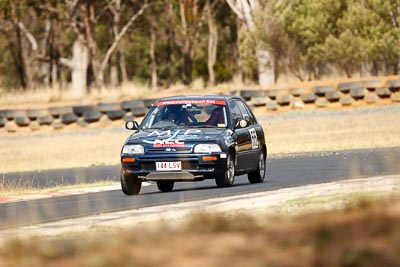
(246, 114)
(235, 111)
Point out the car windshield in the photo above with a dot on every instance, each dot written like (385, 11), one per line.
(186, 113)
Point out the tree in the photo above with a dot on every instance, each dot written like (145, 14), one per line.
(212, 40)
(85, 58)
(246, 10)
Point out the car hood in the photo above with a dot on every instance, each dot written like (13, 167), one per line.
(175, 136)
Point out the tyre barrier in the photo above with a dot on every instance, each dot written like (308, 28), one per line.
(372, 91)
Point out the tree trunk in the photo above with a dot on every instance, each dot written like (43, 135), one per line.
(80, 62)
(24, 69)
(169, 30)
(212, 43)
(153, 55)
(187, 46)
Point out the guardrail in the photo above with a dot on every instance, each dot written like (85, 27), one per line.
(320, 96)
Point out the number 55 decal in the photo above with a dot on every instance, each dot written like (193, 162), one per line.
(254, 139)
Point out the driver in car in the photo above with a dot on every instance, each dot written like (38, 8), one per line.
(178, 116)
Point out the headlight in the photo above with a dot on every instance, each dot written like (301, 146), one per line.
(207, 148)
(133, 149)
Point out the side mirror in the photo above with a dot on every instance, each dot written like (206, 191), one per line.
(241, 124)
(131, 125)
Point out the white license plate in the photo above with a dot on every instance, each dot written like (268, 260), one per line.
(169, 166)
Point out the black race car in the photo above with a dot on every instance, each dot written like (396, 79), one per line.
(192, 138)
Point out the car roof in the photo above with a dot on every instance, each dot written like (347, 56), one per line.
(201, 97)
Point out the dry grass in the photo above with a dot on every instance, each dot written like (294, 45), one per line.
(21, 188)
(365, 234)
(333, 133)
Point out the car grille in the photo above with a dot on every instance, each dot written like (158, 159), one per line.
(169, 150)
(186, 165)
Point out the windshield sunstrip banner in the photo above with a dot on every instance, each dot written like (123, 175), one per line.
(198, 102)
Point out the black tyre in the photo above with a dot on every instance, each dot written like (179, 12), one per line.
(130, 184)
(284, 100)
(79, 110)
(22, 121)
(128, 105)
(308, 98)
(12, 114)
(272, 105)
(2, 121)
(345, 87)
(274, 93)
(56, 112)
(115, 115)
(139, 111)
(107, 107)
(148, 102)
(91, 116)
(258, 175)
(33, 114)
(333, 96)
(227, 178)
(358, 93)
(165, 186)
(68, 118)
(297, 91)
(249, 94)
(45, 120)
(322, 90)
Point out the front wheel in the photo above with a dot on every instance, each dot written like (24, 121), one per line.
(258, 175)
(165, 186)
(227, 178)
(130, 184)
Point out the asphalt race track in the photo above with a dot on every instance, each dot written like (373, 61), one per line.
(283, 171)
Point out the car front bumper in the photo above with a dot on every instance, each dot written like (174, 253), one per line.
(194, 167)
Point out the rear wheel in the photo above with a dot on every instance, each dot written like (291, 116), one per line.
(130, 184)
(258, 175)
(227, 178)
(165, 186)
